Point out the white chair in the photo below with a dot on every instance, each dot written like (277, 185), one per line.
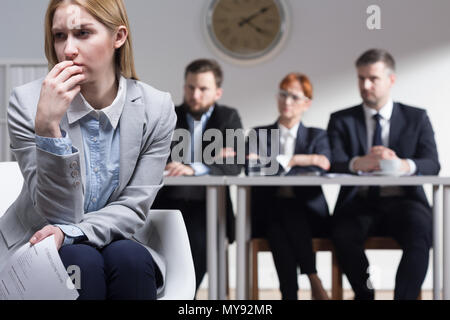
(11, 182)
(174, 245)
(173, 241)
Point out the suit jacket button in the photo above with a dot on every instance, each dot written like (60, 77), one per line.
(74, 165)
(76, 184)
(74, 173)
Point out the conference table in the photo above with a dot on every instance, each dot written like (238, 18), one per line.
(215, 198)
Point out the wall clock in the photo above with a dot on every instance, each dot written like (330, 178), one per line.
(247, 30)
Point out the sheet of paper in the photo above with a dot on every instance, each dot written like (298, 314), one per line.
(36, 273)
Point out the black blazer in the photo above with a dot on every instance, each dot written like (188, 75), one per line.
(411, 136)
(222, 118)
(309, 141)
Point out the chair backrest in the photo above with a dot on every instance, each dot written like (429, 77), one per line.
(174, 245)
(11, 182)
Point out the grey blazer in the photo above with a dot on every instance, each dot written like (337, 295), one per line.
(53, 190)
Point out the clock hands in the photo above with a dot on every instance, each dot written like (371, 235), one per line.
(249, 19)
(253, 16)
(258, 29)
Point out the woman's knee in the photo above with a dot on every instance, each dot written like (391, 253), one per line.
(84, 256)
(128, 256)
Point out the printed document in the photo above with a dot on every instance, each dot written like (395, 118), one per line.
(36, 273)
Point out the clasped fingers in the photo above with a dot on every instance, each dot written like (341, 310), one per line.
(381, 153)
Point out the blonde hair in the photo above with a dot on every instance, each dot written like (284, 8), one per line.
(112, 14)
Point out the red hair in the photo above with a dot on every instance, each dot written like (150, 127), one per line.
(300, 78)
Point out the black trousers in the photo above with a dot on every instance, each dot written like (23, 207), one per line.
(407, 221)
(123, 270)
(290, 231)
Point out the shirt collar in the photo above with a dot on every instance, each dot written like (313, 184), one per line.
(205, 116)
(385, 112)
(79, 108)
(285, 131)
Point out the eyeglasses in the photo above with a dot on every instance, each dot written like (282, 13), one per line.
(284, 95)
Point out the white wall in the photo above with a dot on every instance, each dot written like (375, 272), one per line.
(326, 38)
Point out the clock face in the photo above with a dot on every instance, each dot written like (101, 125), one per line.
(246, 29)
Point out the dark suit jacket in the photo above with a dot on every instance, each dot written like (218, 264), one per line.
(309, 141)
(411, 136)
(222, 118)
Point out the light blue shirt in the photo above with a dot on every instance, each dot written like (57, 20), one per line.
(101, 142)
(196, 129)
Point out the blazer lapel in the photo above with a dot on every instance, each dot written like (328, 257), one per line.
(74, 132)
(213, 121)
(182, 117)
(302, 138)
(361, 129)
(131, 129)
(269, 138)
(396, 126)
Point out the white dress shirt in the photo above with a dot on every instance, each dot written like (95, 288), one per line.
(385, 122)
(288, 138)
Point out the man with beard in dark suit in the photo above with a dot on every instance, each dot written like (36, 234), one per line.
(362, 136)
(199, 113)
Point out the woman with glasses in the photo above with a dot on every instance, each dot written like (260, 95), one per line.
(289, 217)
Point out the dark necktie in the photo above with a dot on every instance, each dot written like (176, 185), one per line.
(374, 191)
(377, 133)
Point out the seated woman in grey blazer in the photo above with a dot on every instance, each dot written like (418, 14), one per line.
(91, 142)
(290, 216)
